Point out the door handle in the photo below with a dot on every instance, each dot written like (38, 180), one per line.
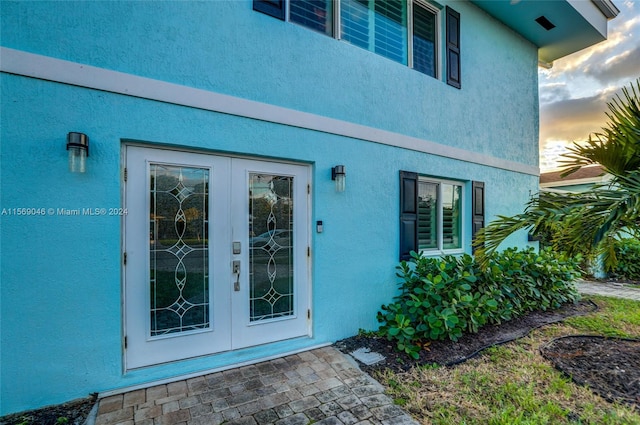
(236, 271)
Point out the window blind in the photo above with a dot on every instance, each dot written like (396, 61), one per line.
(314, 14)
(273, 8)
(355, 22)
(424, 36)
(427, 215)
(451, 216)
(391, 29)
(378, 26)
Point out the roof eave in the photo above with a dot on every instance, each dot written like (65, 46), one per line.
(558, 28)
(608, 9)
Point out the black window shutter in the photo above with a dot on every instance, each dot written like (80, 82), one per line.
(273, 8)
(453, 48)
(477, 206)
(408, 214)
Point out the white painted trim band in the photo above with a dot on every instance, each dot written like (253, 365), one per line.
(61, 71)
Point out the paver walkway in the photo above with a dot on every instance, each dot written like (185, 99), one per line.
(322, 386)
(618, 290)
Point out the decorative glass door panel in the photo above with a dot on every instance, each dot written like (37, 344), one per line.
(274, 295)
(179, 249)
(216, 254)
(271, 251)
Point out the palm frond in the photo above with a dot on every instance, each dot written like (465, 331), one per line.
(592, 220)
(617, 146)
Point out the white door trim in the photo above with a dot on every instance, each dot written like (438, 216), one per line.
(249, 334)
(228, 193)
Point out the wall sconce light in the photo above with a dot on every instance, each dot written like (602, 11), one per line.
(339, 176)
(78, 147)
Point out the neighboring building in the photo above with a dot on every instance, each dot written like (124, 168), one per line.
(580, 181)
(206, 231)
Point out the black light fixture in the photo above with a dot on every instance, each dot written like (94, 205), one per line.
(339, 176)
(78, 147)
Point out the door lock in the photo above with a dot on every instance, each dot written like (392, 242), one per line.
(236, 271)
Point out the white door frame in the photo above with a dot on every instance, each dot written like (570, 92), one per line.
(230, 327)
(245, 333)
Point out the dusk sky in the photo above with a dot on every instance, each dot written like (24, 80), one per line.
(575, 91)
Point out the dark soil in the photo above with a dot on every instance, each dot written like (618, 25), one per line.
(71, 413)
(610, 367)
(448, 353)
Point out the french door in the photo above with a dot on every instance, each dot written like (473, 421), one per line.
(216, 254)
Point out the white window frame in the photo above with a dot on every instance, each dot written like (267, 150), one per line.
(439, 250)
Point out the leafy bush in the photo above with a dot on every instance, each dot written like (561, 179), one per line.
(446, 297)
(628, 255)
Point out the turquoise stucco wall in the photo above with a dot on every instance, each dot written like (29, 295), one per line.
(225, 47)
(61, 276)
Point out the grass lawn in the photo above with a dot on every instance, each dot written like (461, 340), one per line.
(514, 384)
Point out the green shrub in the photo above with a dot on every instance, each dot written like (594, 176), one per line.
(446, 297)
(628, 254)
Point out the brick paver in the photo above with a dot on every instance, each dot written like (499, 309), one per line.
(321, 386)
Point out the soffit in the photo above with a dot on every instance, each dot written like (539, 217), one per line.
(577, 23)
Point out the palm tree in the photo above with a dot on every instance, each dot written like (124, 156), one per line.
(593, 220)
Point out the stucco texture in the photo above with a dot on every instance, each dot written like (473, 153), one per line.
(61, 294)
(226, 47)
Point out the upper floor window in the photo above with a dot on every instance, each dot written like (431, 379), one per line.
(424, 40)
(378, 26)
(406, 31)
(314, 14)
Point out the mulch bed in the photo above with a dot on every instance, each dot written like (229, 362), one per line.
(609, 366)
(71, 413)
(448, 353)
